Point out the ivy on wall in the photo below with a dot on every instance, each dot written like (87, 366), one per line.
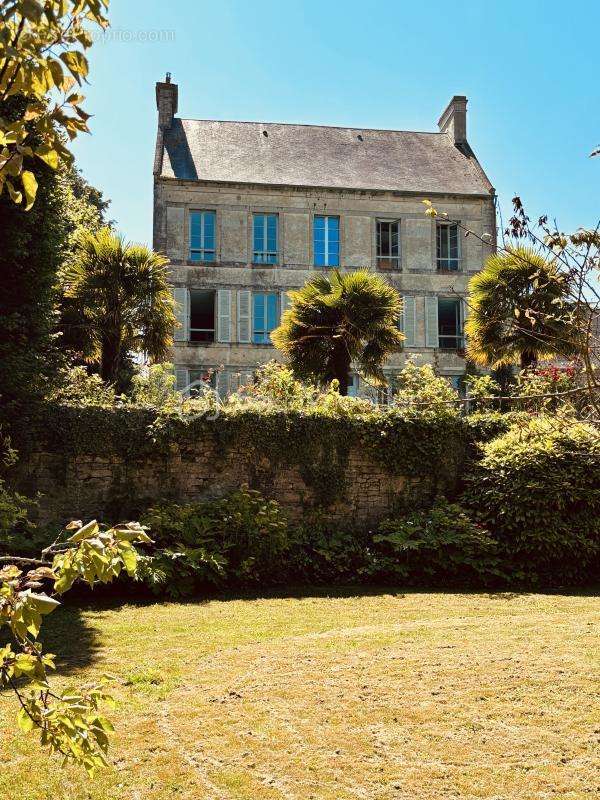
(431, 453)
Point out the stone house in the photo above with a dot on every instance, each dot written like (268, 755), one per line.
(246, 211)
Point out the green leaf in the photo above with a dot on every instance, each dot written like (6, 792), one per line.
(48, 155)
(42, 603)
(76, 63)
(129, 557)
(30, 186)
(26, 724)
(87, 532)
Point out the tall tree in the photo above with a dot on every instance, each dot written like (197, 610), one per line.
(34, 245)
(122, 302)
(519, 310)
(339, 319)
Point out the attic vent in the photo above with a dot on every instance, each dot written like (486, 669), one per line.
(265, 133)
(359, 137)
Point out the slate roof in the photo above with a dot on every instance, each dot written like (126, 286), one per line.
(320, 156)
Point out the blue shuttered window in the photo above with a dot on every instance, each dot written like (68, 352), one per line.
(264, 233)
(264, 316)
(202, 235)
(326, 235)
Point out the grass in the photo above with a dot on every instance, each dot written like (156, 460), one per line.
(382, 697)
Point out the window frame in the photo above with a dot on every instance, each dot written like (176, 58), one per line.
(265, 332)
(396, 261)
(202, 250)
(258, 256)
(459, 337)
(443, 262)
(326, 240)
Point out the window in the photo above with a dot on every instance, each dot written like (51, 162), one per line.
(388, 244)
(327, 241)
(352, 385)
(202, 235)
(264, 317)
(447, 246)
(202, 316)
(265, 239)
(450, 323)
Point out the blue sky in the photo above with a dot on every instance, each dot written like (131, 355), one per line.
(530, 71)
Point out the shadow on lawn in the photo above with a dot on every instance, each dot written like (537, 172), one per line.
(118, 595)
(73, 640)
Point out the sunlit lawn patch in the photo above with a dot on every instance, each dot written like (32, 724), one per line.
(384, 696)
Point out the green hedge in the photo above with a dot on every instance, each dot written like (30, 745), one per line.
(537, 488)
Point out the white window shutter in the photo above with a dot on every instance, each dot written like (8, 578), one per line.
(224, 315)
(284, 302)
(409, 321)
(181, 379)
(182, 313)
(431, 322)
(244, 316)
(223, 384)
(246, 377)
(234, 381)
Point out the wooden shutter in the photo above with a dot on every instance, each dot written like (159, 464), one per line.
(431, 322)
(182, 313)
(224, 315)
(181, 379)
(246, 377)
(244, 316)
(223, 384)
(234, 380)
(409, 321)
(284, 301)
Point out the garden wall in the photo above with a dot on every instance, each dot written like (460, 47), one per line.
(112, 464)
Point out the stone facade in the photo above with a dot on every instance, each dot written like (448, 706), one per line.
(232, 272)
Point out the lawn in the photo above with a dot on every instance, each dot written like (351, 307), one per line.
(376, 696)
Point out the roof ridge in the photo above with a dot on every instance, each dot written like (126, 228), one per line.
(311, 125)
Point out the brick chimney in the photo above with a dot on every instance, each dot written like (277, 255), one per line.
(166, 102)
(454, 119)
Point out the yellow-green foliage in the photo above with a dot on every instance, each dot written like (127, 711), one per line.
(419, 392)
(537, 489)
(69, 723)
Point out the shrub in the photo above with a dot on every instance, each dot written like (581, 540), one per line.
(547, 381)
(537, 488)
(419, 392)
(78, 387)
(154, 386)
(442, 543)
(320, 553)
(239, 540)
(480, 389)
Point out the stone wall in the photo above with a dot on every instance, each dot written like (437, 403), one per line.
(112, 488)
(112, 465)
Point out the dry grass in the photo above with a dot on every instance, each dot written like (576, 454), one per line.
(420, 696)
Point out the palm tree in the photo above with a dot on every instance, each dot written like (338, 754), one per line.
(118, 301)
(335, 320)
(518, 312)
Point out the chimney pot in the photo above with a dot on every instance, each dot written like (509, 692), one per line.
(454, 119)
